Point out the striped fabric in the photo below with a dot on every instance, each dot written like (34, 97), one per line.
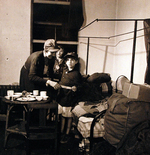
(84, 126)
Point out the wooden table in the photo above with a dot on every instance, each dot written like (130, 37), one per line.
(27, 106)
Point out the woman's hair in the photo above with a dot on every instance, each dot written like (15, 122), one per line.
(61, 47)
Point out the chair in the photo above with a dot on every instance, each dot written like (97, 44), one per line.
(47, 126)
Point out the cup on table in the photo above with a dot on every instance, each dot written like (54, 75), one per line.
(35, 92)
(10, 92)
(43, 93)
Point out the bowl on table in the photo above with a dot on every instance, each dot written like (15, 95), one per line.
(44, 97)
(39, 98)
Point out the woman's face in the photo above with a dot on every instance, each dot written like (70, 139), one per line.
(48, 53)
(60, 53)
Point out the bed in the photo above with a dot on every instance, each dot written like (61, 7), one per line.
(97, 89)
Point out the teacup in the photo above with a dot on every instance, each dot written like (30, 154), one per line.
(39, 98)
(10, 92)
(43, 93)
(35, 92)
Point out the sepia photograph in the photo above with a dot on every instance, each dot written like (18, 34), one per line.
(74, 77)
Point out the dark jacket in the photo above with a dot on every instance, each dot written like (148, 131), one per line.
(31, 76)
(68, 98)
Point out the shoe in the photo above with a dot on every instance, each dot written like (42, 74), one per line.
(65, 139)
(76, 136)
(62, 137)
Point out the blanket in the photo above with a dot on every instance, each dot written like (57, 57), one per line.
(136, 142)
(95, 87)
(89, 109)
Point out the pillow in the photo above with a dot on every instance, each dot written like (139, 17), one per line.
(136, 91)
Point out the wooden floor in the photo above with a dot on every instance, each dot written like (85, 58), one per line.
(16, 146)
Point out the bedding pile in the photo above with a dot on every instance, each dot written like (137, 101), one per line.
(96, 87)
(94, 93)
(85, 113)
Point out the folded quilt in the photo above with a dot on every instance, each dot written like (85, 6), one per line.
(90, 109)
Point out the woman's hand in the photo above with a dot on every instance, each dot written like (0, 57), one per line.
(51, 83)
(57, 86)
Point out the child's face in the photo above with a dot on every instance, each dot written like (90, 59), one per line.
(59, 53)
(70, 62)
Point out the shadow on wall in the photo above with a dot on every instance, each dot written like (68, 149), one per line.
(82, 66)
